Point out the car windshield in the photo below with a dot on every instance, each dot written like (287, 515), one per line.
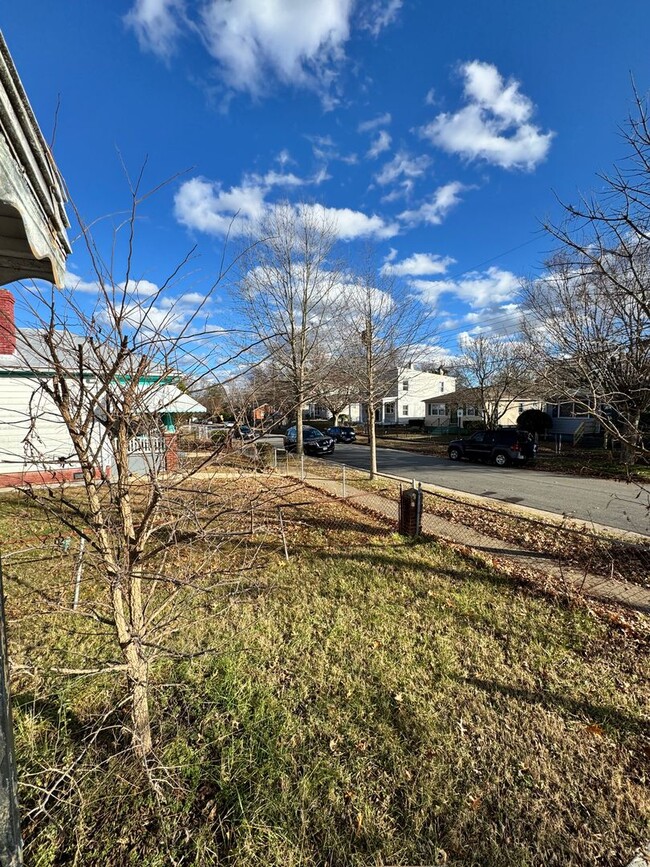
(312, 434)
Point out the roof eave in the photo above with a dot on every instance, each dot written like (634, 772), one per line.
(33, 222)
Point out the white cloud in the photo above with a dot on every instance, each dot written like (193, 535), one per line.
(379, 14)
(433, 353)
(146, 307)
(478, 289)
(351, 224)
(494, 125)
(76, 284)
(431, 98)
(156, 23)
(402, 166)
(206, 207)
(417, 265)
(284, 158)
(434, 211)
(299, 42)
(371, 125)
(282, 179)
(324, 148)
(380, 144)
(321, 176)
(140, 288)
(429, 290)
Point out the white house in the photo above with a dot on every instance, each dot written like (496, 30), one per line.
(404, 401)
(406, 398)
(35, 446)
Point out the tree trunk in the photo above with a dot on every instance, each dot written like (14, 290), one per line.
(372, 440)
(129, 637)
(138, 678)
(299, 426)
(630, 439)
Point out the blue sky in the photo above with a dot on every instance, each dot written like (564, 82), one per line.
(439, 134)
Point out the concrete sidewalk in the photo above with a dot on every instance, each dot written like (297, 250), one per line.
(559, 576)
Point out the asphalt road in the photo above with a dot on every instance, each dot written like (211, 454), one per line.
(602, 501)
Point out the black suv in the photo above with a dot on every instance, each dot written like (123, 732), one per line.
(342, 434)
(503, 447)
(313, 441)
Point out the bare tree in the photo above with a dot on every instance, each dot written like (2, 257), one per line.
(287, 283)
(380, 326)
(589, 314)
(214, 398)
(497, 369)
(339, 393)
(611, 232)
(591, 339)
(102, 398)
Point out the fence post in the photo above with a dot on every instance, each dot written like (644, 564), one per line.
(284, 537)
(78, 573)
(11, 845)
(343, 492)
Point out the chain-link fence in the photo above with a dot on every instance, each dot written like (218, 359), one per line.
(607, 563)
(302, 491)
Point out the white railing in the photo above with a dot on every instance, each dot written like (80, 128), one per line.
(578, 433)
(150, 444)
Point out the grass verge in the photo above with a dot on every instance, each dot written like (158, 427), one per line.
(376, 701)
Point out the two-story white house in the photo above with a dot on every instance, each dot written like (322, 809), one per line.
(404, 401)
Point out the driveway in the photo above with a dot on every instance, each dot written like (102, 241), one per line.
(602, 501)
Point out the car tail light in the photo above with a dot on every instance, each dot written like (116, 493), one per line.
(516, 447)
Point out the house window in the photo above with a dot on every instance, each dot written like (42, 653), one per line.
(471, 410)
(390, 409)
(405, 385)
(521, 408)
(405, 409)
(442, 386)
(429, 409)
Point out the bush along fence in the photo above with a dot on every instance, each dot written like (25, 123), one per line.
(612, 565)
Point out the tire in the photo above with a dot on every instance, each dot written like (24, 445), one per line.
(501, 459)
(454, 454)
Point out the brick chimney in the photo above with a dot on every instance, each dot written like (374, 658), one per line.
(7, 323)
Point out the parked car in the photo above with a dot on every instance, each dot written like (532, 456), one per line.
(343, 434)
(502, 447)
(313, 441)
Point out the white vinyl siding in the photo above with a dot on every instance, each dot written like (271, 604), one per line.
(27, 412)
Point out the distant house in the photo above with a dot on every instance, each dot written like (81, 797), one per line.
(405, 400)
(463, 406)
(261, 412)
(571, 418)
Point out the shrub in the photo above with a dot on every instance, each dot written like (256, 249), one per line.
(471, 426)
(535, 421)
